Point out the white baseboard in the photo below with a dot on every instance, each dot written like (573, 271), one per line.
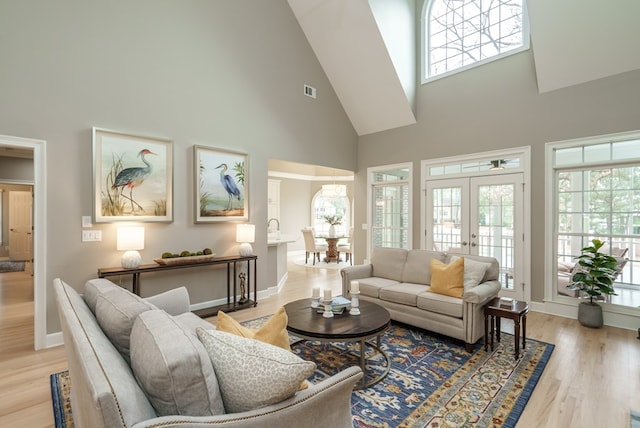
(53, 340)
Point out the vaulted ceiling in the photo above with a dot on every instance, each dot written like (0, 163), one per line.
(368, 49)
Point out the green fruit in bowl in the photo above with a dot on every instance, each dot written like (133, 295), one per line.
(185, 253)
(207, 251)
(167, 255)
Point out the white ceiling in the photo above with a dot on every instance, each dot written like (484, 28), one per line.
(573, 42)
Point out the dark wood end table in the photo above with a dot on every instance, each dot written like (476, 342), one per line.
(307, 323)
(517, 311)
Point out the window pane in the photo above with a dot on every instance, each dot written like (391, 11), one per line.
(599, 152)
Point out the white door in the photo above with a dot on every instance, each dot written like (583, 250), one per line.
(20, 225)
(480, 216)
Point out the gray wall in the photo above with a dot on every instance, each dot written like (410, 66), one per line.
(224, 73)
(497, 106)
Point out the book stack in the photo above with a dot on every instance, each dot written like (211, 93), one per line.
(506, 302)
(338, 305)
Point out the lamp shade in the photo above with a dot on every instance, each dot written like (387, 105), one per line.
(334, 190)
(130, 238)
(246, 233)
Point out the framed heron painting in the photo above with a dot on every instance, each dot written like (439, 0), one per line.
(220, 185)
(132, 178)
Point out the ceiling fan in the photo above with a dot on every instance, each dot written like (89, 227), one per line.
(497, 163)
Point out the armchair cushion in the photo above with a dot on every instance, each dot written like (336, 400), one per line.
(173, 367)
(253, 374)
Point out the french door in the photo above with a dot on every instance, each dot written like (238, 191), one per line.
(480, 216)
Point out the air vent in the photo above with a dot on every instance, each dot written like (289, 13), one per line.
(310, 91)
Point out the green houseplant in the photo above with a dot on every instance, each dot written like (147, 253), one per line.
(594, 276)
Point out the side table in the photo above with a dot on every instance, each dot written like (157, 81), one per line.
(517, 311)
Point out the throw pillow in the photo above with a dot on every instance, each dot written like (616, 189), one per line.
(447, 279)
(173, 367)
(274, 331)
(473, 271)
(116, 312)
(252, 374)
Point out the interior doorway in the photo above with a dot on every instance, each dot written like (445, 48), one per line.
(13, 150)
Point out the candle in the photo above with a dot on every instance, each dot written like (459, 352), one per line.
(327, 293)
(355, 286)
(316, 292)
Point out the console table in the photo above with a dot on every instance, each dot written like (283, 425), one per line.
(232, 268)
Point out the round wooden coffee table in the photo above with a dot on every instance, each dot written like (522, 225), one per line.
(307, 323)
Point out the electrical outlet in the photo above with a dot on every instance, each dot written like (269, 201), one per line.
(91, 235)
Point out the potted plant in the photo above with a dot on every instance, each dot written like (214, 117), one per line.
(333, 221)
(594, 276)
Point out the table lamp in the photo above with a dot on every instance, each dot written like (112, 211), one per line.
(246, 235)
(131, 239)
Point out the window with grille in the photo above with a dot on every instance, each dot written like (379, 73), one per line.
(390, 207)
(458, 34)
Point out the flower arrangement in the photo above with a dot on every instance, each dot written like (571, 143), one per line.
(333, 220)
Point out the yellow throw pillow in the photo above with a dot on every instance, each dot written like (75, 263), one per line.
(273, 331)
(447, 279)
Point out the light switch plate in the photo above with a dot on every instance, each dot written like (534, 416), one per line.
(91, 235)
(86, 221)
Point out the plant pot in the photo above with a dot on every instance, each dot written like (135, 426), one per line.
(332, 231)
(590, 314)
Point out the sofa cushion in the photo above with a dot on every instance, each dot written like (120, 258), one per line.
(473, 271)
(371, 287)
(492, 273)
(116, 312)
(447, 279)
(440, 304)
(417, 267)
(403, 293)
(95, 287)
(253, 374)
(388, 262)
(174, 301)
(173, 367)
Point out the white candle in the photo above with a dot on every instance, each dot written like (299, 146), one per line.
(316, 292)
(327, 293)
(355, 286)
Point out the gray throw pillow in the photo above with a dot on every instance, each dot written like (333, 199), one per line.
(253, 374)
(173, 367)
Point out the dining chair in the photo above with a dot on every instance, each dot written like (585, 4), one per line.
(310, 245)
(347, 248)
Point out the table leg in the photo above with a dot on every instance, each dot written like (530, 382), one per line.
(524, 331)
(362, 359)
(486, 332)
(516, 335)
(497, 329)
(136, 284)
(492, 320)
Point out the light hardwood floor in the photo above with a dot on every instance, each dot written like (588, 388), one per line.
(592, 379)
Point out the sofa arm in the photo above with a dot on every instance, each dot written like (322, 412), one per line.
(325, 404)
(482, 292)
(351, 273)
(174, 302)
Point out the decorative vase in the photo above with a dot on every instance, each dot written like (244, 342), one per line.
(590, 314)
(332, 231)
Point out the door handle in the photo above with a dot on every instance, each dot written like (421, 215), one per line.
(464, 243)
(473, 244)
(473, 235)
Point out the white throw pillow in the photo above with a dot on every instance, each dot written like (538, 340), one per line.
(173, 367)
(253, 374)
(473, 271)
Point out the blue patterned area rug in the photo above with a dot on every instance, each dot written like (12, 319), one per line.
(433, 381)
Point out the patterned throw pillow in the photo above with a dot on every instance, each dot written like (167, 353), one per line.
(447, 279)
(253, 374)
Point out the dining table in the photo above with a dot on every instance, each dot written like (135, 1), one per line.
(332, 247)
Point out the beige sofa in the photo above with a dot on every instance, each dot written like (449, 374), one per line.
(127, 359)
(400, 279)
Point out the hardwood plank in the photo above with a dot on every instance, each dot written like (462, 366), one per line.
(592, 379)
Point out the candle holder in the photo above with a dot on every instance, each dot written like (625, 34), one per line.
(315, 302)
(355, 303)
(328, 312)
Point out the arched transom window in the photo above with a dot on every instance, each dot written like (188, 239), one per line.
(460, 33)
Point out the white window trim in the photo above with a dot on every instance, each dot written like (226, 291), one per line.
(424, 63)
(370, 182)
(550, 214)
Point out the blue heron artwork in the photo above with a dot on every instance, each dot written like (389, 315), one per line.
(133, 179)
(221, 183)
